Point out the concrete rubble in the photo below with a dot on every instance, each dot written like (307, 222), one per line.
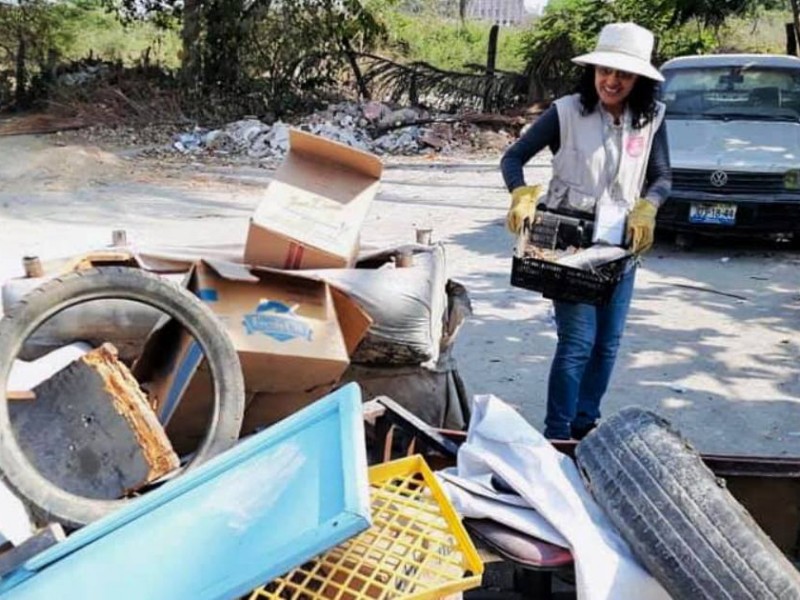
(369, 126)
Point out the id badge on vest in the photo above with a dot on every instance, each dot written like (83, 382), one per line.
(611, 209)
(609, 221)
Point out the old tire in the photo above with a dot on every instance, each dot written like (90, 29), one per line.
(44, 498)
(681, 521)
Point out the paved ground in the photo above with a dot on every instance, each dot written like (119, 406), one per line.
(724, 368)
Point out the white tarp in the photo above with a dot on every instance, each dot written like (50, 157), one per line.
(477, 501)
(27, 375)
(15, 525)
(501, 443)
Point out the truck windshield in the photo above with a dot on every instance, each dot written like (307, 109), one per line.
(732, 93)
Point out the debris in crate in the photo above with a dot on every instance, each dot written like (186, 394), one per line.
(589, 279)
(587, 259)
(547, 254)
(593, 257)
(560, 232)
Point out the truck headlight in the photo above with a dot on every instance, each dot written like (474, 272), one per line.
(791, 180)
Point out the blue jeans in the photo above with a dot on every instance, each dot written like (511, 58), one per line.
(588, 340)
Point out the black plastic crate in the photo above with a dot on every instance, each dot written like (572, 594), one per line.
(562, 282)
(568, 284)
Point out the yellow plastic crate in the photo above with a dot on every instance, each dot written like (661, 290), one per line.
(416, 548)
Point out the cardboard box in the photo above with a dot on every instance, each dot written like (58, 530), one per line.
(313, 210)
(293, 334)
(264, 409)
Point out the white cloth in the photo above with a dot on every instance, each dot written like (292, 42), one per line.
(15, 524)
(475, 500)
(502, 443)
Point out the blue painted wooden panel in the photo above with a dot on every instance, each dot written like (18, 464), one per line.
(259, 510)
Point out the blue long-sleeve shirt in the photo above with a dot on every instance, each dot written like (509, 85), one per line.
(546, 131)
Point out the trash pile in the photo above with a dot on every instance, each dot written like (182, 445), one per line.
(372, 126)
(81, 73)
(254, 356)
(238, 412)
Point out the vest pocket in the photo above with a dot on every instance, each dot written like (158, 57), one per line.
(569, 165)
(580, 201)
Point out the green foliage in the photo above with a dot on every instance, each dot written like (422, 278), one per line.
(426, 36)
(29, 35)
(76, 29)
(36, 36)
(92, 30)
(570, 27)
(764, 33)
(293, 52)
(278, 56)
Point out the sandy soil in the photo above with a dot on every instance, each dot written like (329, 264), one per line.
(724, 368)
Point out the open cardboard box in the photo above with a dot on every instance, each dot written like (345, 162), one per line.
(313, 210)
(293, 334)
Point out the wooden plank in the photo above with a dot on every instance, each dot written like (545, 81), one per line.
(37, 124)
(373, 410)
(91, 429)
(20, 395)
(97, 258)
(13, 558)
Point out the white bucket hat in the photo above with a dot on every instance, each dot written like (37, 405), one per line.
(626, 47)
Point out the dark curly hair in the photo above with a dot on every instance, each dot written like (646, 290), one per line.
(642, 99)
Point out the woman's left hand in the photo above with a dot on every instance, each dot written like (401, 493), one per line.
(642, 226)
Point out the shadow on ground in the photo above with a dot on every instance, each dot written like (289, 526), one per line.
(712, 341)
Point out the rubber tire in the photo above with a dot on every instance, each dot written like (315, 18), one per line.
(46, 500)
(678, 518)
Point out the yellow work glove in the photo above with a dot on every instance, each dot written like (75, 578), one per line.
(642, 226)
(523, 205)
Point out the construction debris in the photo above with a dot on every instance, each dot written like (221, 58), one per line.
(91, 429)
(38, 124)
(80, 419)
(371, 126)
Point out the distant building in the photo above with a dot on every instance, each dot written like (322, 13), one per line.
(504, 12)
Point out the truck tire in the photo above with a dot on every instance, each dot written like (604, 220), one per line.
(46, 500)
(678, 518)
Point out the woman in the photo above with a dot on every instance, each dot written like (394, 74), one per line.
(610, 164)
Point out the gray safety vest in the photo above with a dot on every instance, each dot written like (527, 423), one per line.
(580, 170)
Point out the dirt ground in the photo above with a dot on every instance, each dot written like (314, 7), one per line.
(723, 368)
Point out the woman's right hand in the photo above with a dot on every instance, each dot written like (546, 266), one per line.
(523, 206)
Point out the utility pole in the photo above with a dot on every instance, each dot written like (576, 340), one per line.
(491, 64)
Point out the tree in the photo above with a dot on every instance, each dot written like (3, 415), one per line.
(570, 27)
(796, 18)
(272, 48)
(28, 35)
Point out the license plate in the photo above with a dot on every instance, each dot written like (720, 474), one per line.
(713, 214)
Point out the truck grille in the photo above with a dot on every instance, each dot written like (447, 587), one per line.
(694, 180)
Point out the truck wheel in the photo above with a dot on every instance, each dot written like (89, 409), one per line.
(680, 520)
(45, 499)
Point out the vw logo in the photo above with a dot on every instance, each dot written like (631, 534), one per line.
(719, 178)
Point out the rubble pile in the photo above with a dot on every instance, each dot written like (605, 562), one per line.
(370, 126)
